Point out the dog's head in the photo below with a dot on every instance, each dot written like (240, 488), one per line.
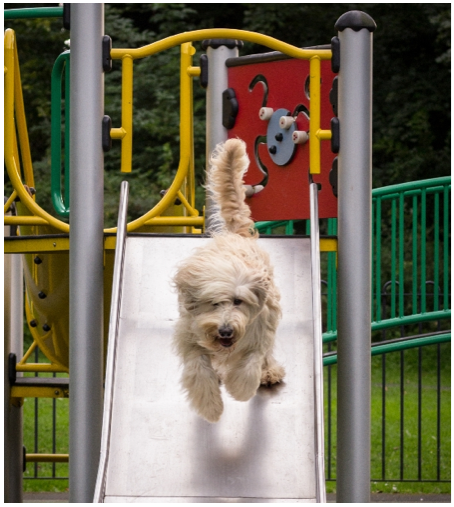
(220, 296)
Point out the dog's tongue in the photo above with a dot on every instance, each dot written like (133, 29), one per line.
(226, 342)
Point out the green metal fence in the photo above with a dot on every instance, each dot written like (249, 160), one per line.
(410, 392)
(410, 264)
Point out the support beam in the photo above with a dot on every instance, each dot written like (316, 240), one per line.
(13, 343)
(218, 51)
(354, 269)
(86, 249)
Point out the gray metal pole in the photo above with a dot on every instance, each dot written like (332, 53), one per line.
(13, 343)
(86, 249)
(218, 51)
(354, 268)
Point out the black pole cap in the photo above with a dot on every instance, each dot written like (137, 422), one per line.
(356, 20)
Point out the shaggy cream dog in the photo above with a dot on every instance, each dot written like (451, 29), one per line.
(228, 303)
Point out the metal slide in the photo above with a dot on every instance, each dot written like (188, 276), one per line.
(154, 447)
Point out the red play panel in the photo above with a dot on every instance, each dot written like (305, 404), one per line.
(282, 84)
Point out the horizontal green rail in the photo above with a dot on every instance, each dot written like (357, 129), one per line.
(34, 13)
(386, 348)
(411, 284)
(267, 227)
(407, 320)
(434, 184)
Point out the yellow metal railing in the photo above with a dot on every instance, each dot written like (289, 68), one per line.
(15, 118)
(183, 186)
(316, 134)
(183, 182)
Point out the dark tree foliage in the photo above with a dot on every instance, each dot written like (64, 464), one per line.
(411, 85)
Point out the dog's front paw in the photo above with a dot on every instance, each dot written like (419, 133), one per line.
(212, 410)
(272, 374)
(201, 384)
(242, 385)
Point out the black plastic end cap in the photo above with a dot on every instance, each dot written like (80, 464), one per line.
(106, 49)
(335, 135)
(356, 20)
(217, 43)
(229, 108)
(105, 135)
(12, 360)
(203, 71)
(335, 50)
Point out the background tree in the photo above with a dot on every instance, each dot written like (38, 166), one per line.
(412, 86)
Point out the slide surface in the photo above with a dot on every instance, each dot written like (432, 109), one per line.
(159, 450)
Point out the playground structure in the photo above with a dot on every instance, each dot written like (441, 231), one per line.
(88, 244)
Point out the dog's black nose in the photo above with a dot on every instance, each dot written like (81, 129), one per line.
(225, 332)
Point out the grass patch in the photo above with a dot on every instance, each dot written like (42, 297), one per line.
(410, 447)
(39, 438)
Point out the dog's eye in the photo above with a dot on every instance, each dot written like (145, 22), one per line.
(215, 304)
(237, 302)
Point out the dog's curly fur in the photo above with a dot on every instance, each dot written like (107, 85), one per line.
(228, 302)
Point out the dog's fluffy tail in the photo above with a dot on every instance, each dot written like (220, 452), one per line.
(229, 162)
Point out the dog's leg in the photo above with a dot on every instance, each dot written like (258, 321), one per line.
(272, 371)
(202, 386)
(243, 379)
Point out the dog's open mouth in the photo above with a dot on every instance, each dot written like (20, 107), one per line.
(225, 342)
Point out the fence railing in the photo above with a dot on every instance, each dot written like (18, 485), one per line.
(411, 258)
(411, 310)
(411, 252)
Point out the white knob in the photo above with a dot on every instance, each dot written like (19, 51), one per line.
(266, 113)
(251, 190)
(300, 137)
(286, 122)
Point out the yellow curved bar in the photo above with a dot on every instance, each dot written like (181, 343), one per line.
(192, 211)
(11, 162)
(25, 220)
(22, 125)
(185, 144)
(221, 33)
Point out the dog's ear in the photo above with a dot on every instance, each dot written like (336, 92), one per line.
(188, 301)
(186, 293)
(260, 290)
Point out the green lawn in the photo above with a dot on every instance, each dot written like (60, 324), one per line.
(428, 468)
(392, 406)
